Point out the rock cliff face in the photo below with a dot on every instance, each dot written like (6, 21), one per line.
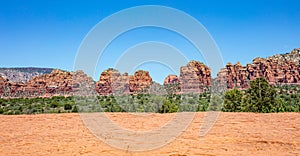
(171, 79)
(140, 81)
(112, 82)
(195, 77)
(57, 83)
(60, 82)
(172, 84)
(278, 69)
(3, 84)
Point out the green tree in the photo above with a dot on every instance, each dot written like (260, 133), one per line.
(168, 107)
(232, 100)
(67, 106)
(54, 104)
(74, 110)
(260, 97)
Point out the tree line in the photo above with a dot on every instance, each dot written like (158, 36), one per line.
(260, 97)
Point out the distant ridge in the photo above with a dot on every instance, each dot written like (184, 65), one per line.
(23, 74)
(278, 69)
(27, 69)
(293, 56)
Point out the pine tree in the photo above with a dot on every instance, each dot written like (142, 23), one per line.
(260, 97)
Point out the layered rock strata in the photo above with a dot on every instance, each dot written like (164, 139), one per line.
(113, 82)
(195, 77)
(278, 69)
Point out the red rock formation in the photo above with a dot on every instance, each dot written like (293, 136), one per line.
(139, 81)
(16, 89)
(82, 84)
(278, 69)
(171, 79)
(112, 82)
(3, 85)
(171, 84)
(194, 78)
(56, 83)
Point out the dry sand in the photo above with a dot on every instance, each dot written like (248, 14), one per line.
(232, 134)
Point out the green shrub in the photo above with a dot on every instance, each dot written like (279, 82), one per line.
(74, 109)
(67, 106)
(232, 100)
(54, 104)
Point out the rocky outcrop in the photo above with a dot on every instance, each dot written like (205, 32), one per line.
(171, 79)
(195, 77)
(112, 82)
(82, 84)
(57, 83)
(172, 84)
(140, 81)
(278, 69)
(23, 74)
(60, 82)
(293, 56)
(3, 85)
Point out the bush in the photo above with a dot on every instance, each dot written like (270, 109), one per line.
(67, 106)
(54, 104)
(75, 110)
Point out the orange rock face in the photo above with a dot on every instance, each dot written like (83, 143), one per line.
(278, 69)
(171, 79)
(195, 77)
(3, 84)
(140, 81)
(112, 82)
(58, 82)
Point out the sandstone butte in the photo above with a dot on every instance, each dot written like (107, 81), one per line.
(195, 77)
(111, 81)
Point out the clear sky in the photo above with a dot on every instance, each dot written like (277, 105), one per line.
(48, 33)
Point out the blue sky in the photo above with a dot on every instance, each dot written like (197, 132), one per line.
(48, 33)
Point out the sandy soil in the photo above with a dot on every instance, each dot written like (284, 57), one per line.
(232, 134)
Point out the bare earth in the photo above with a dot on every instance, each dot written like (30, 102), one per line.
(232, 134)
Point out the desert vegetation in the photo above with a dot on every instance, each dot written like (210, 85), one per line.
(259, 97)
(263, 97)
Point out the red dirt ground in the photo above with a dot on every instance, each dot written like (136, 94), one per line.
(232, 134)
